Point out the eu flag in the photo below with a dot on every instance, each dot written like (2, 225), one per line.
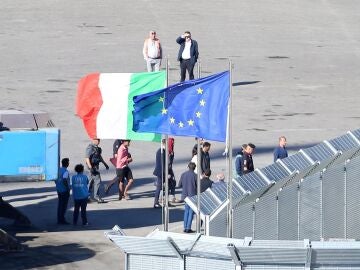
(197, 108)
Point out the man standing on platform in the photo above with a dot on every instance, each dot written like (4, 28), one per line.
(188, 55)
(152, 52)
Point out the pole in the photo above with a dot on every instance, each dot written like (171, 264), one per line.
(230, 157)
(198, 166)
(166, 197)
(166, 203)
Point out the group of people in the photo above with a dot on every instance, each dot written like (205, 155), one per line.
(80, 193)
(88, 190)
(244, 162)
(187, 56)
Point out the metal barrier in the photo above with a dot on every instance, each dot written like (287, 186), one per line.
(306, 195)
(166, 250)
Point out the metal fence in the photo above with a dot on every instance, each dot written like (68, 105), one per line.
(311, 194)
(166, 250)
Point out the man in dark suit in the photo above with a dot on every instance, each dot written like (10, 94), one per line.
(188, 55)
(188, 184)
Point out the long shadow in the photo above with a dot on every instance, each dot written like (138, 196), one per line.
(128, 218)
(44, 256)
(244, 83)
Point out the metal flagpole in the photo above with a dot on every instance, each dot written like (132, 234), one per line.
(166, 203)
(230, 155)
(198, 221)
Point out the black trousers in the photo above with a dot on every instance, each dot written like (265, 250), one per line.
(186, 65)
(62, 205)
(80, 204)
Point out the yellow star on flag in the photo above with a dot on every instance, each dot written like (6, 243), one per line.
(199, 90)
(181, 124)
(161, 99)
(202, 102)
(172, 120)
(164, 111)
(191, 122)
(198, 114)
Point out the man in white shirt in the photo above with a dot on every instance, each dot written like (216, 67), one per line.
(188, 55)
(152, 52)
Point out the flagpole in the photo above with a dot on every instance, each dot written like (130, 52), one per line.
(198, 222)
(166, 203)
(230, 183)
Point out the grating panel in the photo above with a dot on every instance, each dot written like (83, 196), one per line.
(333, 203)
(274, 172)
(243, 221)
(145, 262)
(353, 199)
(197, 263)
(296, 162)
(356, 133)
(251, 181)
(236, 191)
(266, 218)
(344, 143)
(218, 225)
(220, 190)
(319, 152)
(310, 208)
(288, 212)
(208, 203)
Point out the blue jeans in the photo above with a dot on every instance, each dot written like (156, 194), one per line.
(188, 217)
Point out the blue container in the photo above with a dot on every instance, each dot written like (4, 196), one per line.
(29, 155)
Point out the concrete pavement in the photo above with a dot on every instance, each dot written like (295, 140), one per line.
(296, 73)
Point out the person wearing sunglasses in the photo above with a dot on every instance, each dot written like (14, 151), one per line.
(188, 55)
(152, 52)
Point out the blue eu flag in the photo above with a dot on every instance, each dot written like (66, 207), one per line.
(197, 108)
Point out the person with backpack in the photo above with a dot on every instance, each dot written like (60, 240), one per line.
(93, 158)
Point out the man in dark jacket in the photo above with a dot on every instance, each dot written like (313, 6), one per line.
(247, 164)
(188, 55)
(159, 172)
(188, 184)
(205, 182)
(204, 158)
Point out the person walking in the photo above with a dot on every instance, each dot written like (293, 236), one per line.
(159, 172)
(238, 161)
(63, 191)
(93, 158)
(280, 151)
(123, 170)
(188, 184)
(247, 164)
(152, 52)
(188, 55)
(79, 183)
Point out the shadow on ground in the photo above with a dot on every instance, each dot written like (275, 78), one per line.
(51, 255)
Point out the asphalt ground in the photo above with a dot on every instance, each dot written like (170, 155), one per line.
(296, 73)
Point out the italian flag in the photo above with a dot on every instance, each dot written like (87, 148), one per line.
(105, 103)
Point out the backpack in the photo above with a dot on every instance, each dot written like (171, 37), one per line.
(95, 157)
